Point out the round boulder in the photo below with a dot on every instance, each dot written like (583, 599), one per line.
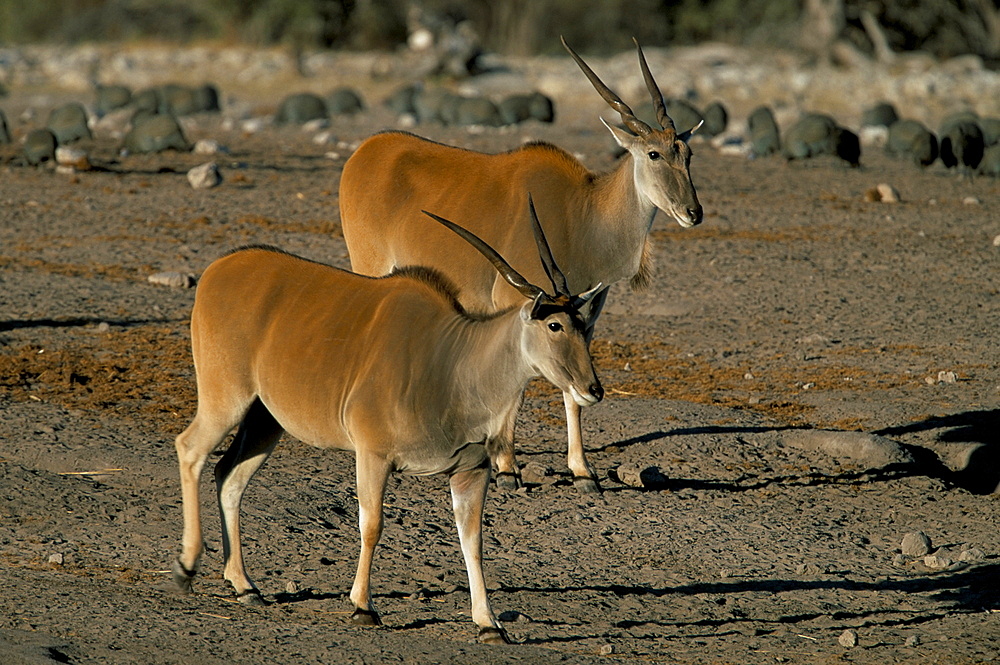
(155, 133)
(40, 146)
(300, 108)
(344, 101)
(69, 123)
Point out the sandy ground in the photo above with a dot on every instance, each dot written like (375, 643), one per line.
(797, 305)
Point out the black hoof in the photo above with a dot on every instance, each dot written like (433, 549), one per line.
(366, 617)
(508, 481)
(252, 598)
(493, 635)
(183, 577)
(586, 485)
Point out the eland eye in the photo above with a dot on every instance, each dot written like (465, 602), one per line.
(654, 155)
(555, 326)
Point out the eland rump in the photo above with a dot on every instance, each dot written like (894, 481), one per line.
(393, 368)
(597, 224)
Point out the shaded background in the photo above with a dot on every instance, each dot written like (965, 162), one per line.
(943, 28)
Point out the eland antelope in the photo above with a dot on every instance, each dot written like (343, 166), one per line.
(597, 224)
(393, 368)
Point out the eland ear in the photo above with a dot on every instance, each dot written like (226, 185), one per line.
(684, 136)
(622, 138)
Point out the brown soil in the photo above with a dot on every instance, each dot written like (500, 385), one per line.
(797, 304)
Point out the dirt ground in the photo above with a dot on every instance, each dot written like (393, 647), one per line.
(796, 305)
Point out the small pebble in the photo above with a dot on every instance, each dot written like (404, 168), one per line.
(607, 650)
(947, 377)
(291, 587)
(971, 201)
(937, 561)
(205, 176)
(208, 147)
(912, 640)
(56, 558)
(177, 280)
(848, 638)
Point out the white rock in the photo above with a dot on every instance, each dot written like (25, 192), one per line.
(72, 159)
(937, 561)
(205, 176)
(971, 201)
(56, 558)
(947, 377)
(176, 280)
(315, 125)
(848, 638)
(996, 241)
(887, 193)
(208, 147)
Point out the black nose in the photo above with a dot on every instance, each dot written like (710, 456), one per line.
(694, 214)
(597, 391)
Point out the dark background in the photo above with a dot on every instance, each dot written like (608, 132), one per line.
(943, 28)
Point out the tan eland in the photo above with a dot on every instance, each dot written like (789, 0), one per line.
(393, 368)
(597, 223)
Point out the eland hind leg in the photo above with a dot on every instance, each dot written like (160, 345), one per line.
(372, 476)
(254, 442)
(205, 433)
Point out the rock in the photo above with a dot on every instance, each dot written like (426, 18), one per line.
(206, 98)
(883, 192)
(912, 641)
(937, 561)
(69, 123)
(4, 130)
(208, 147)
(915, 543)
(300, 108)
(110, 98)
(401, 102)
(205, 176)
(175, 280)
(73, 159)
(990, 165)
(764, 136)
(972, 555)
(291, 587)
(909, 139)
(40, 147)
(716, 120)
(961, 144)
(478, 111)
(684, 115)
(56, 558)
(536, 473)
(607, 649)
(155, 133)
(344, 101)
(872, 450)
(520, 108)
(641, 476)
(882, 114)
(817, 134)
(848, 639)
